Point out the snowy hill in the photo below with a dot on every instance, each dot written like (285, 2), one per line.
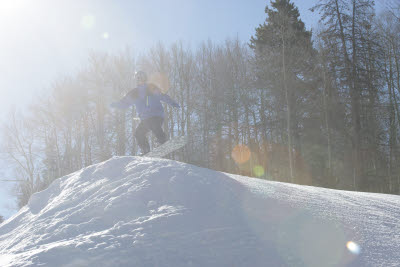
(131, 211)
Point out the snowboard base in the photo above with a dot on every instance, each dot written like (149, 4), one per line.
(168, 147)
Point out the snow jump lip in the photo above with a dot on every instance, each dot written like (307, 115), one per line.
(147, 211)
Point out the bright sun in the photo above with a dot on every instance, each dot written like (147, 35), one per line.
(12, 5)
(15, 8)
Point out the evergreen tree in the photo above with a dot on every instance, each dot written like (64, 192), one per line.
(284, 58)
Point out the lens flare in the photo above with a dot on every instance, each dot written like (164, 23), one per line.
(160, 80)
(258, 171)
(241, 154)
(106, 35)
(88, 21)
(353, 247)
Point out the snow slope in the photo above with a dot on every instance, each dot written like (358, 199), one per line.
(131, 211)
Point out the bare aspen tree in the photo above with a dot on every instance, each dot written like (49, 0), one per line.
(20, 146)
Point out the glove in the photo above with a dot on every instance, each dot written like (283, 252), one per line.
(176, 105)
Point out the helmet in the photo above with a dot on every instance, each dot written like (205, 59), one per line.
(141, 76)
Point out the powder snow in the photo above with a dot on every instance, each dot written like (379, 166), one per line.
(138, 211)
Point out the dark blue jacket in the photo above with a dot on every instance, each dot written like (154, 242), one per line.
(146, 100)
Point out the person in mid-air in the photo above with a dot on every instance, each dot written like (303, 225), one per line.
(146, 97)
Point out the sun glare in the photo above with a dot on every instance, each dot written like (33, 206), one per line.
(12, 4)
(9, 8)
(353, 247)
(258, 170)
(88, 22)
(241, 154)
(106, 35)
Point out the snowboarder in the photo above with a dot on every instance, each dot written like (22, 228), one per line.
(146, 97)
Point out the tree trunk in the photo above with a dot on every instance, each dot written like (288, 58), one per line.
(288, 110)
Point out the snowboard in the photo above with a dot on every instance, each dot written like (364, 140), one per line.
(168, 147)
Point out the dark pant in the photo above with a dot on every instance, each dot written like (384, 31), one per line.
(153, 124)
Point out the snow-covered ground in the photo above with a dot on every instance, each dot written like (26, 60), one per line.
(131, 211)
(7, 200)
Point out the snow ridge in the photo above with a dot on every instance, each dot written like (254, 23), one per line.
(138, 211)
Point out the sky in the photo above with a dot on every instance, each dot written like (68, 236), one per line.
(42, 40)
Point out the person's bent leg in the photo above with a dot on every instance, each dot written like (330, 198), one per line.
(156, 128)
(140, 135)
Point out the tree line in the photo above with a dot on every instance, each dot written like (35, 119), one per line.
(287, 105)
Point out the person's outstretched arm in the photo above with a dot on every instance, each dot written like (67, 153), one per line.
(126, 101)
(163, 97)
(167, 99)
